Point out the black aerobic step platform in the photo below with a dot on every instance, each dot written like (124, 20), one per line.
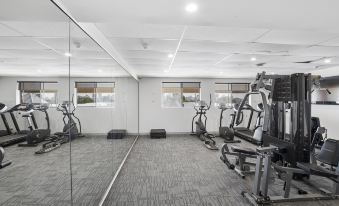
(158, 133)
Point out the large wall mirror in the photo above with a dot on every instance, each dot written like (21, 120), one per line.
(69, 111)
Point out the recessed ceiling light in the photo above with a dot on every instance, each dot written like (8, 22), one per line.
(67, 54)
(253, 59)
(327, 61)
(170, 55)
(191, 7)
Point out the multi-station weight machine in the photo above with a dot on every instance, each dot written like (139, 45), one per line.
(287, 148)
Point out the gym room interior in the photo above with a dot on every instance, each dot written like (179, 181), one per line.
(169, 102)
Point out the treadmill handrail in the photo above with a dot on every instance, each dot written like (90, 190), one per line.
(265, 108)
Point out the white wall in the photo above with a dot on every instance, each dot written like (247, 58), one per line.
(175, 120)
(94, 120)
(152, 115)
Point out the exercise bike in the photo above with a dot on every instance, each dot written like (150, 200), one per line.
(69, 132)
(227, 133)
(34, 135)
(200, 129)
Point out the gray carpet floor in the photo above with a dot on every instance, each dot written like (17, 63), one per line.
(179, 170)
(45, 179)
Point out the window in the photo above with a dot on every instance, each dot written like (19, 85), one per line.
(38, 92)
(180, 94)
(227, 93)
(95, 94)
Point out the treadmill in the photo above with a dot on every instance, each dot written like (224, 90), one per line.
(20, 135)
(7, 130)
(246, 133)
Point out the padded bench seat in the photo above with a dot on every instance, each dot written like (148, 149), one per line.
(158, 133)
(243, 150)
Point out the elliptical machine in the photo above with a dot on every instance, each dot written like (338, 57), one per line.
(227, 132)
(36, 135)
(200, 127)
(2, 155)
(69, 132)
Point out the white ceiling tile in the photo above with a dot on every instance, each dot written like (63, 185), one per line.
(193, 56)
(89, 54)
(148, 61)
(62, 43)
(332, 42)
(206, 46)
(144, 44)
(5, 31)
(223, 34)
(40, 29)
(34, 54)
(158, 31)
(144, 54)
(295, 37)
(19, 43)
(324, 51)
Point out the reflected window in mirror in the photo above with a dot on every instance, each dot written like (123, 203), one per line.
(37, 92)
(95, 94)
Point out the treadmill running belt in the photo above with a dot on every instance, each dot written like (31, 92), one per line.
(9, 140)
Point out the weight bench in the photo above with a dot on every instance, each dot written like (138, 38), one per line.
(241, 153)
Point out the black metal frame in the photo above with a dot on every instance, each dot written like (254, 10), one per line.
(293, 92)
(7, 130)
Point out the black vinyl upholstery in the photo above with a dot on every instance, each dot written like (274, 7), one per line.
(243, 150)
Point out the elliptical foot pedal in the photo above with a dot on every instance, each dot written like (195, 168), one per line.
(28, 145)
(48, 147)
(116, 134)
(158, 133)
(210, 145)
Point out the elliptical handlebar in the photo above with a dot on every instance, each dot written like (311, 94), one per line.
(202, 106)
(263, 108)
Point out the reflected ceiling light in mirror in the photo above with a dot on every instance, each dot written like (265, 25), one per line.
(166, 71)
(39, 70)
(100, 70)
(191, 7)
(67, 54)
(327, 61)
(253, 59)
(170, 56)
